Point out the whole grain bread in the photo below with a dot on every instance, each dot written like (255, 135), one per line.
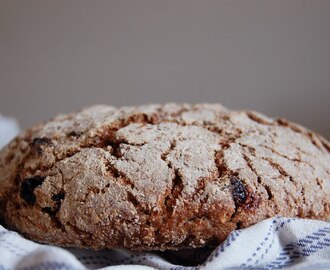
(159, 177)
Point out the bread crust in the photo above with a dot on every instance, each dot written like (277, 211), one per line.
(159, 177)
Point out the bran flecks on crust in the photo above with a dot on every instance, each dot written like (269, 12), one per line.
(159, 177)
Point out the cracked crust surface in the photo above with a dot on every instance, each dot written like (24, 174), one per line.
(159, 177)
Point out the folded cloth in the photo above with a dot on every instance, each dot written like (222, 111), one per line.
(276, 243)
(8, 129)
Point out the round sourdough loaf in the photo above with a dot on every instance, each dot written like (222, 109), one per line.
(159, 177)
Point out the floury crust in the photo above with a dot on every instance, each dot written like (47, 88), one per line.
(159, 177)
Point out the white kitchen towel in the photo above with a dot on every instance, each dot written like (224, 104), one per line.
(8, 129)
(277, 243)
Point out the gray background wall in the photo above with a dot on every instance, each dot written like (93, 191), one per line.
(271, 56)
